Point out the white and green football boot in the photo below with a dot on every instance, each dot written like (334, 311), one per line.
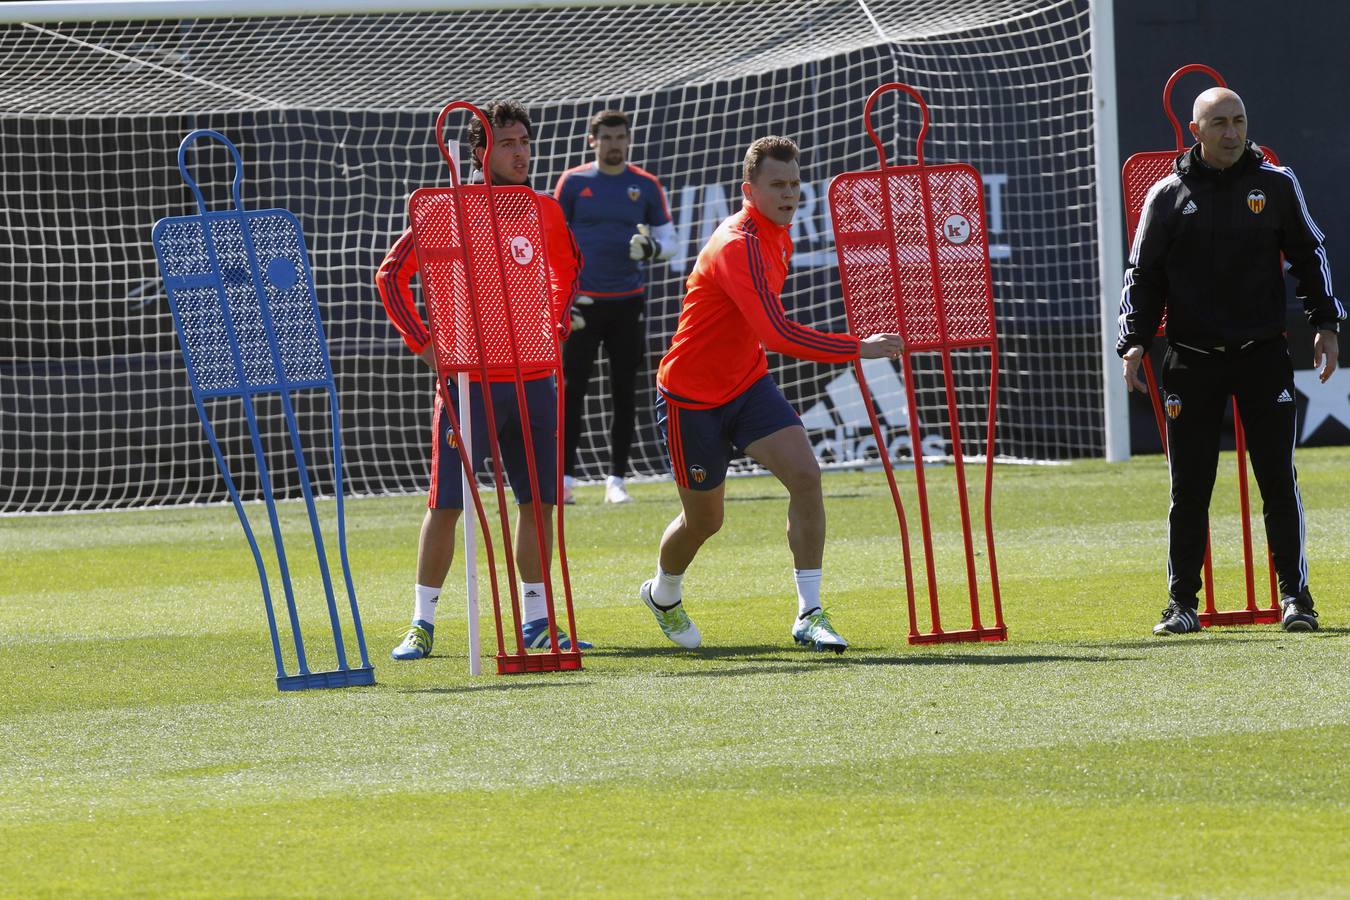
(536, 637)
(815, 631)
(416, 643)
(675, 622)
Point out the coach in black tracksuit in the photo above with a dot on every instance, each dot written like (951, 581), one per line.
(1207, 252)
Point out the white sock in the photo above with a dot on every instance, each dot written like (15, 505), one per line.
(535, 604)
(808, 590)
(568, 482)
(666, 588)
(424, 605)
(614, 481)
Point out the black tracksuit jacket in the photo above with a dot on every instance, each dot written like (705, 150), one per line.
(1207, 252)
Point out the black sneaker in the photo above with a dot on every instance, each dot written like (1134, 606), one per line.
(1177, 619)
(1298, 614)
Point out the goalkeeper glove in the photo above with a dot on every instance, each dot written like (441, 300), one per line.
(579, 320)
(642, 246)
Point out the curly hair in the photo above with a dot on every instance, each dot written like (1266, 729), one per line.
(500, 113)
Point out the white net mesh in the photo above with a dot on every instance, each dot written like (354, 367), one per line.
(333, 117)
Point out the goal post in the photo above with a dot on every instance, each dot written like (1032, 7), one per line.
(1110, 228)
(333, 111)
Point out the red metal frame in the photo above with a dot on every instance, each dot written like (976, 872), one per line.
(915, 315)
(1140, 172)
(430, 209)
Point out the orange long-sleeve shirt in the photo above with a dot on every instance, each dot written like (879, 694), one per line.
(394, 280)
(732, 313)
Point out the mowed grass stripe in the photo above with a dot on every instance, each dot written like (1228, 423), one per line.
(757, 707)
(946, 824)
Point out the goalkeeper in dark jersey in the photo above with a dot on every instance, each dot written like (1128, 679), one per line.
(619, 215)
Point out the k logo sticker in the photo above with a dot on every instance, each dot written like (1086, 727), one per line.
(634, 192)
(697, 474)
(956, 229)
(1256, 201)
(1173, 406)
(522, 251)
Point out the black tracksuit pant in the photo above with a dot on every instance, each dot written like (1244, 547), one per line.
(1196, 388)
(618, 325)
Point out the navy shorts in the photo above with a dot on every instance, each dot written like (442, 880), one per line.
(701, 443)
(541, 399)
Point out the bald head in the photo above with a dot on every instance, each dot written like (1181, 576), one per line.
(1215, 97)
(1219, 125)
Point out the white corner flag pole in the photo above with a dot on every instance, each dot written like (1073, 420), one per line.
(470, 541)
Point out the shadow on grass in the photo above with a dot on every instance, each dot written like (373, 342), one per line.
(1202, 639)
(788, 660)
(758, 651)
(505, 683)
(815, 663)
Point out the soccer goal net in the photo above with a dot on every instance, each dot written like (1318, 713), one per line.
(333, 115)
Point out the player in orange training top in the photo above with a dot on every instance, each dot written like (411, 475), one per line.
(716, 397)
(509, 164)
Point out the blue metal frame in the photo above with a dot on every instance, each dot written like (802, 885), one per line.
(249, 378)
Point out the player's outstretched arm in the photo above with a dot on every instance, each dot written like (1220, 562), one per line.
(742, 274)
(880, 346)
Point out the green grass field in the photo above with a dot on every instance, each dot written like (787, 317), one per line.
(147, 751)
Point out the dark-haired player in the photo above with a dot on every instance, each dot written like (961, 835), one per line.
(509, 164)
